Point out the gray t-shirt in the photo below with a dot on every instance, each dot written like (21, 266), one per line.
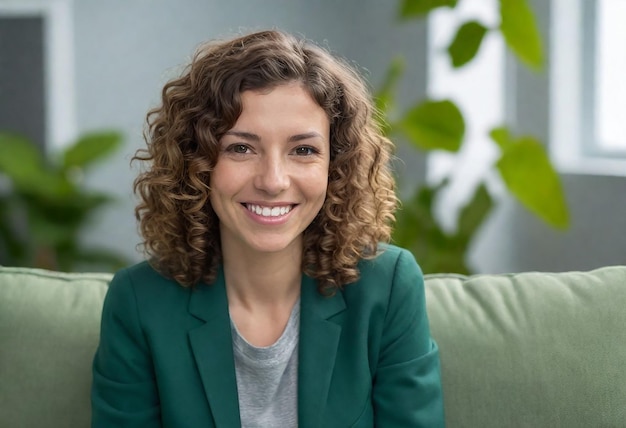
(267, 378)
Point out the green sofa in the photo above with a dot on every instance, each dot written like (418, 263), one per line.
(517, 350)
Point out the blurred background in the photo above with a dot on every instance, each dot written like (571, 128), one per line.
(509, 117)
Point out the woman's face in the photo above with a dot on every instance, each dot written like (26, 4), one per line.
(271, 175)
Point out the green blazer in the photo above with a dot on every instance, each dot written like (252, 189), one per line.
(366, 358)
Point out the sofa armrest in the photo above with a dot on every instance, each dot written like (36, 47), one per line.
(49, 330)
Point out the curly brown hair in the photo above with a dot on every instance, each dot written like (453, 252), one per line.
(178, 225)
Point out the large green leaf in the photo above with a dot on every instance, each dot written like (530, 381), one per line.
(20, 160)
(384, 98)
(415, 218)
(466, 43)
(64, 214)
(418, 230)
(91, 148)
(415, 8)
(434, 125)
(12, 247)
(473, 215)
(529, 175)
(43, 212)
(502, 137)
(47, 233)
(520, 31)
(23, 164)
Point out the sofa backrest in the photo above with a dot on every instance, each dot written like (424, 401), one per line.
(519, 350)
(532, 349)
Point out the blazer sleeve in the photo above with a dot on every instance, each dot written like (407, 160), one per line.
(407, 385)
(124, 392)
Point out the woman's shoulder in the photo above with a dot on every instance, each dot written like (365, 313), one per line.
(141, 272)
(389, 261)
(392, 271)
(143, 279)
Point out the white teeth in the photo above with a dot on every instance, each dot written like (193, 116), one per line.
(268, 211)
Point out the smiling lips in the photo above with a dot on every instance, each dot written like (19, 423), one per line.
(269, 211)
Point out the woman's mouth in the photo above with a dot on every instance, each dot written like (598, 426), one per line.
(265, 211)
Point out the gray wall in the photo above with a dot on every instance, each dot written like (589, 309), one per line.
(514, 240)
(126, 50)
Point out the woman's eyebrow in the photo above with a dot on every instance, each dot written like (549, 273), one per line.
(305, 136)
(244, 135)
(254, 137)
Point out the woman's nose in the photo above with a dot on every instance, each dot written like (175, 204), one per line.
(272, 176)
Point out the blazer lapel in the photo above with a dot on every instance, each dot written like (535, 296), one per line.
(213, 351)
(318, 343)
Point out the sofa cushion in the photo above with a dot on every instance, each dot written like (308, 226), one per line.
(517, 350)
(532, 349)
(49, 324)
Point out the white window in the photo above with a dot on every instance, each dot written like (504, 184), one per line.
(588, 86)
(58, 63)
(608, 37)
(478, 90)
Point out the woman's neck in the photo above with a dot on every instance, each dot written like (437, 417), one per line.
(262, 279)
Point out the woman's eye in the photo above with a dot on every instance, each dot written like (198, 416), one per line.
(305, 151)
(238, 148)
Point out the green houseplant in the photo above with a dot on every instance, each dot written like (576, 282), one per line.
(44, 207)
(430, 125)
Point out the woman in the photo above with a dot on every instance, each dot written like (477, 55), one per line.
(267, 300)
